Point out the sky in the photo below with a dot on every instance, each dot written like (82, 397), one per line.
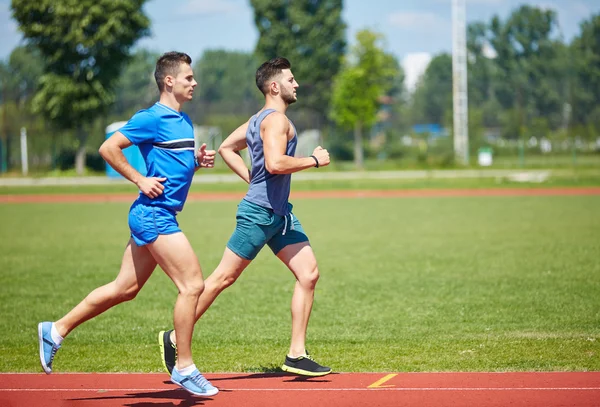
(414, 30)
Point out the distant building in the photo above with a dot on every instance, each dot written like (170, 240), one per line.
(434, 130)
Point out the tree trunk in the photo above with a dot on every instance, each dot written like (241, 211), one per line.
(358, 146)
(80, 156)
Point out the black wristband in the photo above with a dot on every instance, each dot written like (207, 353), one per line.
(316, 161)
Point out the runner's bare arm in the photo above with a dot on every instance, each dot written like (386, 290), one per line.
(274, 130)
(229, 151)
(112, 152)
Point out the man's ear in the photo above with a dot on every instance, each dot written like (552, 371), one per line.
(169, 80)
(274, 87)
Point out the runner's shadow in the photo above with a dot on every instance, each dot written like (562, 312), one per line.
(185, 399)
(293, 377)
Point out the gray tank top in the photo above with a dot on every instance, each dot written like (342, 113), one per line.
(267, 190)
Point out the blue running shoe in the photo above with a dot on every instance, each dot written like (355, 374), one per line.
(195, 383)
(47, 346)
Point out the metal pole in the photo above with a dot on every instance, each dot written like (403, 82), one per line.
(4, 136)
(459, 82)
(24, 161)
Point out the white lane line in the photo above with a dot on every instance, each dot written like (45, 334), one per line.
(331, 389)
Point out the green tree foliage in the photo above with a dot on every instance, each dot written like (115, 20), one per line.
(432, 99)
(19, 79)
(481, 71)
(311, 34)
(479, 67)
(585, 55)
(369, 73)
(226, 84)
(530, 74)
(226, 94)
(23, 71)
(136, 88)
(84, 43)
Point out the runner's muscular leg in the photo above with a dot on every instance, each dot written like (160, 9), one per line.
(176, 257)
(136, 267)
(301, 261)
(226, 273)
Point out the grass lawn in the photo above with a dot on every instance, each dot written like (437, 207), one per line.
(411, 284)
(558, 178)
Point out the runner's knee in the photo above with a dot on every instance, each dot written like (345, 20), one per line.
(193, 286)
(126, 293)
(228, 280)
(309, 278)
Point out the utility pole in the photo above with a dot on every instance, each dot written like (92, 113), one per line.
(459, 82)
(4, 135)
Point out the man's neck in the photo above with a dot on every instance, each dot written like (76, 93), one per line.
(169, 100)
(276, 104)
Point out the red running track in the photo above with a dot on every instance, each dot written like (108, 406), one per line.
(552, 389)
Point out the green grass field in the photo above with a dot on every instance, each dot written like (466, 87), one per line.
(413, 284)
(557, 178)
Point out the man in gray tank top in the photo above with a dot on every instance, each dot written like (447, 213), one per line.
(265, 216)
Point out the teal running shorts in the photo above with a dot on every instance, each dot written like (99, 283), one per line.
(257, 226)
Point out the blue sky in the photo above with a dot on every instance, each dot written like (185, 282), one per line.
(414, 29)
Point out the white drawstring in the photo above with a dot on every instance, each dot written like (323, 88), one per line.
(285, 224)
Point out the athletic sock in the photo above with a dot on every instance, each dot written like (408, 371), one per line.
(305, 354)
(186, 371)
(55, 335)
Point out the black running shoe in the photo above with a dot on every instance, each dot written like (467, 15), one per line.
(168, 350)
(305, 366)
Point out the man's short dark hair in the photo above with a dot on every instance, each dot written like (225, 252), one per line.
(169, 64)
(268, 71)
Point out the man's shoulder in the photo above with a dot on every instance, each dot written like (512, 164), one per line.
(275, 116)
(142, 118)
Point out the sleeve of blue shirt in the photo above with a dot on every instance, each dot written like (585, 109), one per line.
(141, 128)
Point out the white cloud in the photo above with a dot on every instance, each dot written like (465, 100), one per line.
(414, 64)
(488, 51)
(207, 7)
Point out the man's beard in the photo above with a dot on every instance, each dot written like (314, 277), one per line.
(288, 98)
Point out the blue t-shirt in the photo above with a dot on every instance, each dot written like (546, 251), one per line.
(267, 190)
(165, 138)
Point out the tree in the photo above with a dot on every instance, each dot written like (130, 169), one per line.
(368, 74)
(311, 34)
(25, 67)
(85, 43)
(529, 67)
(136, 88)
(226, 94)
(18, 83)
(432, 99)
(586, 64)
(226, 84)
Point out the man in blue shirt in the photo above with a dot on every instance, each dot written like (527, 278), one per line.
(165, 137)
(265, 216)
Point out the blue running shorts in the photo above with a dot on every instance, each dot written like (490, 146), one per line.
(147, 222)
(257, 226)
